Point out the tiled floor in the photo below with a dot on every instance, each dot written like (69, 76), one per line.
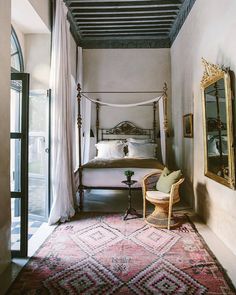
(36, 207)
(33, 226)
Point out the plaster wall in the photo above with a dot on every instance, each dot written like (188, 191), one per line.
(125, 70)
(42, 8)
(5, 65)
(208, 32)
(73, 59)
(37, 62)
(37, 59)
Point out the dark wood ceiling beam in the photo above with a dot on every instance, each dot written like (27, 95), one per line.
(121, 19)
(121, 2)
(124, 11)
(131, 23)
(133, 7)
(126, 42)
(129, 12)
(83, 32)
(126, 36)
(74, 28)
(124, 33)
(180, 19)
(118, 26)
(127, 23)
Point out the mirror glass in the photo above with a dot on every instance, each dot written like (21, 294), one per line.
(218, 127)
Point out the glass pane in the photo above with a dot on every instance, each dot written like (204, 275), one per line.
(15, 223)
(16, 101)
(15, 165)
(15, 57)
(15, 62)
(38, 153)
(13, 45)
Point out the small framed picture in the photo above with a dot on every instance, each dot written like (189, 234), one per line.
(188, 125)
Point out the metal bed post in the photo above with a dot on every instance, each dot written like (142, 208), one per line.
(97, 120)
(79, 123)
(165, 98)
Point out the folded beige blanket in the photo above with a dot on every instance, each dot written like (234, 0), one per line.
(124, 163)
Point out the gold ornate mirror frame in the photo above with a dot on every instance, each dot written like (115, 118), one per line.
(224, 169)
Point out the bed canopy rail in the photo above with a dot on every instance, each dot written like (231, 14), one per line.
(154, 102)
(162, 94)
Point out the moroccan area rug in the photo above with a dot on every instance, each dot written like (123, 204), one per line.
(94, 254)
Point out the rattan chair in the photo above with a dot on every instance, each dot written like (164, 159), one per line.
(162, 215)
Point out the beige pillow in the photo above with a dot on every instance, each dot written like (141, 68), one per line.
(166, 180)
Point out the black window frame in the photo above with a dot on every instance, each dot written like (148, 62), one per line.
(18, 52)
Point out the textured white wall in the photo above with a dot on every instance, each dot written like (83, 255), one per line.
(37, 60)
(208, 32)
(73, 49)
(5, 65)
(125, 70)
(42, 7)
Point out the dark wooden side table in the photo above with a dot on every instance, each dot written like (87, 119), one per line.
(130, 210)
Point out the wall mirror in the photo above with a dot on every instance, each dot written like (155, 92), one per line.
(218, 124)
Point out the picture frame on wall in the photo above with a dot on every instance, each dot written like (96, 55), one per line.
(188, 125)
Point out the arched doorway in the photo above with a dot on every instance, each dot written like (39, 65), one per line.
(19, 149)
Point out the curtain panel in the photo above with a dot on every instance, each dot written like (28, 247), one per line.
(62, 173)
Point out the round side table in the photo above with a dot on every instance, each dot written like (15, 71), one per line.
(130, 210)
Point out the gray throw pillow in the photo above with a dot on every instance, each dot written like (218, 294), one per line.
(166, 180)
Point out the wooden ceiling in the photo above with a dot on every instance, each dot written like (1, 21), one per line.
(127, 24)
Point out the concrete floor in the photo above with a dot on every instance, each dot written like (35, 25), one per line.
(116, 201)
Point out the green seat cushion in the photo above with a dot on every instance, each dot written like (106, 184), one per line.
(166, 180)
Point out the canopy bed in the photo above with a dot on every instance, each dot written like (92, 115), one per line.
(125, 146)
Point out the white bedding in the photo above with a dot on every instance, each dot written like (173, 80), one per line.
(112, 177)
(109, 173)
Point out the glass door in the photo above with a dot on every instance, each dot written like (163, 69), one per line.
(19, 163)
(39, 110)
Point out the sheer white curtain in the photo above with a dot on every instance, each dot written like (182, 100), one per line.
(86, 126)
(62, 120)
(85, 112)
(162, 130)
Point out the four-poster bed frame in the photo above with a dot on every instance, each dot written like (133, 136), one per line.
(123, 128)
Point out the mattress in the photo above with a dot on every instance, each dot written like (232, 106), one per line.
(110, 173)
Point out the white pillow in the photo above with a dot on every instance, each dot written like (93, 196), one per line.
(224, 145)
(137, 140)
(110, 151)
(212, 148)
(141, 150)
(110, 141)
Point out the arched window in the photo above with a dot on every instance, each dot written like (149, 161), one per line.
(17, 64)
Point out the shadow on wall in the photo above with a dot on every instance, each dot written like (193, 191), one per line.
(202, 202)
(171, 155)
(186, 192)
(186, 189)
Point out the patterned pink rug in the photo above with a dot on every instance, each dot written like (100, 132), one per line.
(95, 254)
